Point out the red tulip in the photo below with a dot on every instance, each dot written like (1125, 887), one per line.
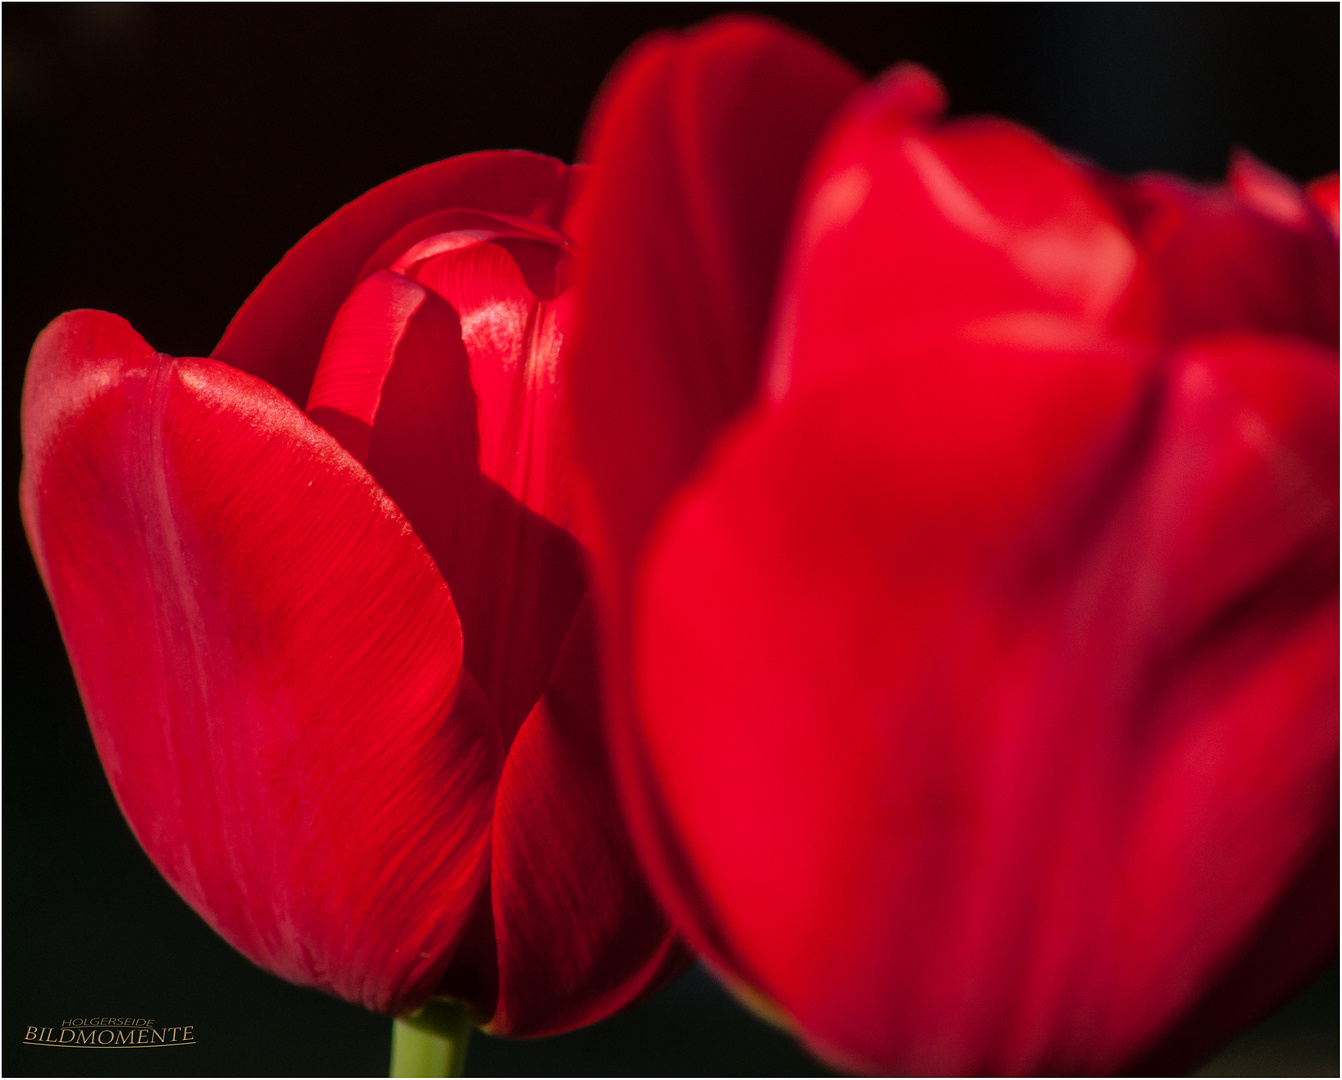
(344, 690)
(973, 519)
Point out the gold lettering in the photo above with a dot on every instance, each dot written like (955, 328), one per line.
(109, 1034)
(186, 1032)
(32, 1034)
(157, 1036)
(86, 1037)
(123, 1037)
(65, 1032)
(140, 1035)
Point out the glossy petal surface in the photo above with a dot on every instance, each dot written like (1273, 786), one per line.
(270, 662)
(433, 397)
(278, 333)
(1025, 770)
(514, 338)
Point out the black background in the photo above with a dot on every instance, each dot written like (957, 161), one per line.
(159, 160)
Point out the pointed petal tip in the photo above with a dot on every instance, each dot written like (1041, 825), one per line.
(1269, 192)
(910, 93)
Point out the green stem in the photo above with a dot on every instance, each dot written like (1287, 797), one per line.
(432, 1042)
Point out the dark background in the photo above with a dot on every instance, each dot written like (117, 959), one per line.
(159, 160)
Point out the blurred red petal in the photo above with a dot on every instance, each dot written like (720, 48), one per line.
(911, 230)
(1323, 193)
(698, 142)
(1269, 192)
(579, 934)
(1276, 964)
(1000, 814)
(278, 333)
(1249, 256)
(208, 551)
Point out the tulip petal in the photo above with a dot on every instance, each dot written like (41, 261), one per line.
(579, 934)
(1273, 195)
(1324, 194)
(1249, 256)
(278, 333)
(270, 662)
(698, 143)
(514, 341)
(1270, 970)
(396, 361)
(1026, 769)
(910, 229)
(359, 352)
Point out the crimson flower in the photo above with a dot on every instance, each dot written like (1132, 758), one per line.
(343, 687)
(969, 527)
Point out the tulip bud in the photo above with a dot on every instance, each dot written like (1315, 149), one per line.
(342, 677)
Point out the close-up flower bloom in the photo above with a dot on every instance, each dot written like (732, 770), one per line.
(872, 522)
(338, 663)
(967, 527)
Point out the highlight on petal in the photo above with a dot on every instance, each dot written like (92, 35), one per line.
(460, 220)
(396, 361)
(1040, 731)
(270, 662)
(579, 935)
(509, 290)
(278, 333)
(1269, 192)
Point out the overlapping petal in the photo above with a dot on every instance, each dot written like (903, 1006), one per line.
(912, 228)
(510, 292)
(270, 662)
(697, 147)
(1253, 255)
(396, 370)
(443, 371)
(278, 333)
(565, 877)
